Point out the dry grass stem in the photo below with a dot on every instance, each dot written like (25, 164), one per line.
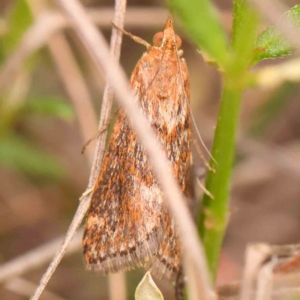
(117, 78)
(256, 254)
(77, 219)
(115, 51)
(265, 282)
(25, 288)
(36, 258)
(47, 24)
(117, 286)
(117, 283)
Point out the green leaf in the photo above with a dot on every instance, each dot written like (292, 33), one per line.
(49, 106)
(19, 154)
(271, 44)
(147, 289)
(20, 18)
(201, 22)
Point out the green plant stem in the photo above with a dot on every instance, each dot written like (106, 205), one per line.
(214, 212)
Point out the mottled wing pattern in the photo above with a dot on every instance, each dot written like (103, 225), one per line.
(127, 224)
(122, 230)
(176, 142)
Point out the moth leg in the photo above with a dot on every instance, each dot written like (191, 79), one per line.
(134, 37)
(101, 130)
(86, 193)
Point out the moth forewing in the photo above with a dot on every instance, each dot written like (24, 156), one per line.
(128, 225)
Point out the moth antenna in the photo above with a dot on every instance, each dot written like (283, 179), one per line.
(200, 153)
(199, 135)
(194, 122)
(104, 127)
(205, 190)
(134, 37)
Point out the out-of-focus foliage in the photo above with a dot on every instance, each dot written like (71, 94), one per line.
(16, 152)
(271, 44)
(16, 149)
(48, 106)
(19, 19)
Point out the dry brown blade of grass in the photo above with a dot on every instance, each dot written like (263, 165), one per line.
(263, 279)
(265, 282)
(256, 254)
(48, 24)
(186, 228)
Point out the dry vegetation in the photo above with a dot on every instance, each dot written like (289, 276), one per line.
(41, 185)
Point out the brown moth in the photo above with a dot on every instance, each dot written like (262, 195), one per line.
(128, 225)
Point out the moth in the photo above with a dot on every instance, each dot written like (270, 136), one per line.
(128, 225)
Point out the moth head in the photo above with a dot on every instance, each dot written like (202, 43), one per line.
(167, 38)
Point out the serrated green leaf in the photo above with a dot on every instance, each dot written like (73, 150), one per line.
(49, 106)
(271, 44)
(201, 22)
(147, 289)
(17, 153)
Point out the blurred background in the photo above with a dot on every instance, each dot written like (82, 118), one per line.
(43, 173)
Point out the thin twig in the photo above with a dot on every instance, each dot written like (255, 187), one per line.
(105, 115)
(117, 283)
(115, 50)
(93, 41)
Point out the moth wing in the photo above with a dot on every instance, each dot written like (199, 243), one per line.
(177, 144)
(123, 229)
